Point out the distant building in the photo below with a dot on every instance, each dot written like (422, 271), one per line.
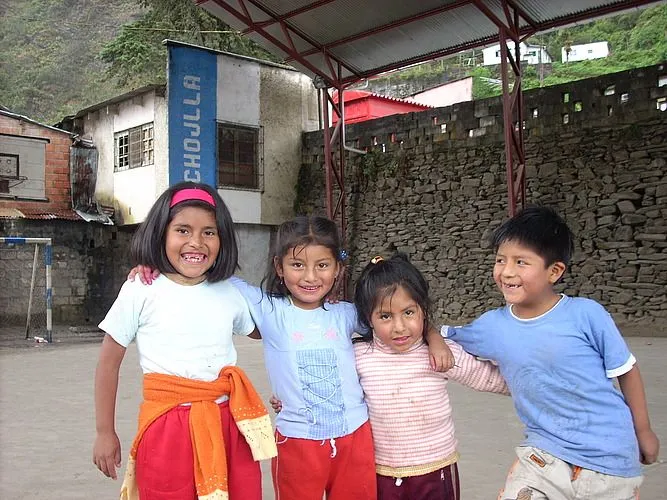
(231, 121)
(530, 54)
(361, 105)
(34, 169)
(595, 50)
(446, 94)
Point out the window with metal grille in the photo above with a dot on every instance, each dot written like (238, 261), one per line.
(239, 155)
(134, 148)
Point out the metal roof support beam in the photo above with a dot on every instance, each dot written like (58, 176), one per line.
(243, 15)
(334, 163)
(287, 15)
(513, 117)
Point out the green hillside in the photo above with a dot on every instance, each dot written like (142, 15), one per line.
(49, 54)
(59, 56)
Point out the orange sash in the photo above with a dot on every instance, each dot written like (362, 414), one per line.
(164, 392)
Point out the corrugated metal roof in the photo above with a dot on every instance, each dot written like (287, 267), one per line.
(14, 213)
(121, 98)
(367, 37)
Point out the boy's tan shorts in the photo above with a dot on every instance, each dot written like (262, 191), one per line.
(537, 475)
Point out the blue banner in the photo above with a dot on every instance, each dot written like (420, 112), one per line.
(192, 99)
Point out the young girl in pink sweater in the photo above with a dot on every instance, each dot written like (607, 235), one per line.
(411, 418)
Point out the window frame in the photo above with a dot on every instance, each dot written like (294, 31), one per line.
(239, 179)
(134, 147)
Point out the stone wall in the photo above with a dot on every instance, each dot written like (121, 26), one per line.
(433, 185)
(89, 265)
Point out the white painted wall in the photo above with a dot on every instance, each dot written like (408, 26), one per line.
(531, 54)
(132, 192)
(238, 91)
(253, 241)
(238, 103)
(161, 144)
(583, 52)
(244, 205)
(446, 94)
(284, 104)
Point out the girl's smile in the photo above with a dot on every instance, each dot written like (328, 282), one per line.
(192, 244)
(309, 273)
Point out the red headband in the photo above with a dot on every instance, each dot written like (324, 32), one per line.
(191, 194)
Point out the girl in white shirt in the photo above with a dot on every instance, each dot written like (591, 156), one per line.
(202, 426)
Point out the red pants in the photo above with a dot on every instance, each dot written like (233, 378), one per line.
(344, 469)
(165, 462)
(442, 484)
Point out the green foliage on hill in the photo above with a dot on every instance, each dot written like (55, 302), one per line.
(48, 54)
(59, 56)
(636, 39)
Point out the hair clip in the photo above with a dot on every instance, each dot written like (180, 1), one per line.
(343, 255)
(376, 259)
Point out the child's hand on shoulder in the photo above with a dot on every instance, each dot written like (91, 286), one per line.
(439, 353)
(649, 446)
(145, 273)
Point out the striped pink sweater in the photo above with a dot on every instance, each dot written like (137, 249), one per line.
(410, 414)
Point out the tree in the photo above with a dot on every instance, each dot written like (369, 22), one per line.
(137, 55)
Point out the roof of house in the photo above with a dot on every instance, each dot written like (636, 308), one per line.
(356, 95)
(5, 112)
(231, 54)
(25, 213)
(120, 98)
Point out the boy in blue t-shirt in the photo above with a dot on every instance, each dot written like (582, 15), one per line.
(559, 356)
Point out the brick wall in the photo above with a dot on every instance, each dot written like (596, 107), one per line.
(57, 180)
(433, 185)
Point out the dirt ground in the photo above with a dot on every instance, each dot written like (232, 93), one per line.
(47, 419)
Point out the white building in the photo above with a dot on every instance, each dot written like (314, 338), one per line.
(595, 50)
(446, 94)
(227, 120)
(530, 54)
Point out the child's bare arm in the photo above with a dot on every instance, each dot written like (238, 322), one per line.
(474, 373)
(632, 387)
(440, 355)
(106, 451)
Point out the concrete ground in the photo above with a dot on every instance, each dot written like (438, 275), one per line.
(47, 421)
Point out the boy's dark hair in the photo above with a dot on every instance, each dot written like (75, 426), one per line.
(300, 231)
(380, 280)
(148, 242)
(542, 230)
